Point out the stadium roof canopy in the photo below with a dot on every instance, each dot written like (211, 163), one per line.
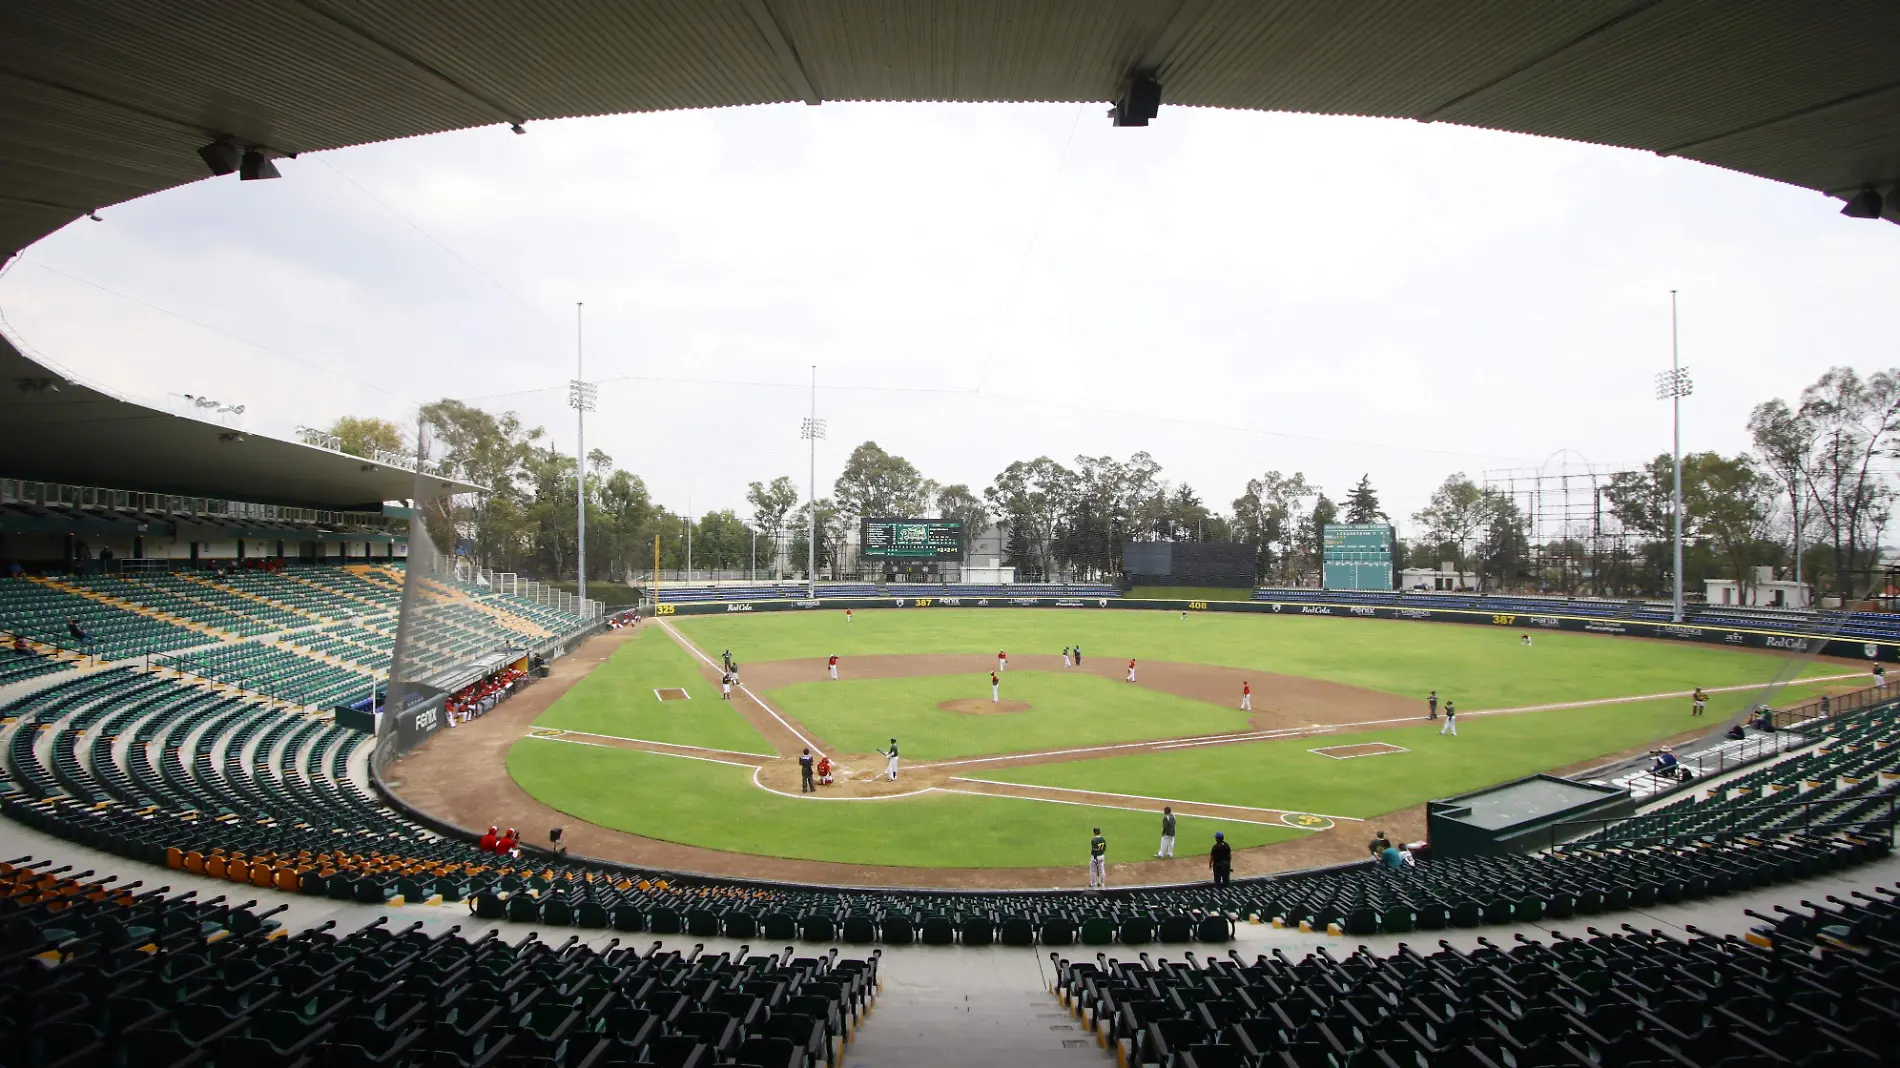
(53, 429)
(102, 101)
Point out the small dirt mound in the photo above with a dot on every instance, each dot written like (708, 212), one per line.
(977, 706)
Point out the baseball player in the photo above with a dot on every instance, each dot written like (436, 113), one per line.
(1098, 861)
(1167, 832)
(1431, 705)
(1524, 638)
(727, 657)
(1131, 671)
(1002, 661)
(1067, 661)
(1451, 720)
(1078, 655)
(847, 615)
(832, 664)
(996, 688)
(1699, 702)
(805, 785)
(725, 686)
(1246, 696)
(890, 761)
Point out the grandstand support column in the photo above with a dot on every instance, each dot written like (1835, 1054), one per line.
(580, 396)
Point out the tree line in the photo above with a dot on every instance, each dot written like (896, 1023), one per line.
(1817, 468)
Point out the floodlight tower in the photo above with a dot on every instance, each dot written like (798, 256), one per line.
(581, 395)
(1673, 385)
(812, 430)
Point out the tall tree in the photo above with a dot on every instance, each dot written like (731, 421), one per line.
(1362, 503)
(1856, 421)
(1784, 441)
(1325, 512)
(1033, 498)
(1454, 516)
(958, 503)
(876, 483)
(368, 435)
(1731, 502)
(1502, 543)
(770, 507)
(1270, 514)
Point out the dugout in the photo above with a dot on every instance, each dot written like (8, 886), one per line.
(1518, 816)
(1189, 563)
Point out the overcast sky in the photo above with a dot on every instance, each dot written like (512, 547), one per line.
(1232, 292)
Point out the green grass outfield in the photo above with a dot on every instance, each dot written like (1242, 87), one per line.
(1480, 667)
(1284, 774)
(617, 699)
(698, 803)
(862, 715)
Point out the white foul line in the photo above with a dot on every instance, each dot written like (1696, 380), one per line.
(773, 712)
(669, 745)
(1145, 797)
(1086, 804)
(649, 752)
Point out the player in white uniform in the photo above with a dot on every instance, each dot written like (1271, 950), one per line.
(890, 761)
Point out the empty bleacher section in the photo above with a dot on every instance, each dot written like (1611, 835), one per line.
(147, 767)
(1869, 626)
(145, 979)
(1813, 987)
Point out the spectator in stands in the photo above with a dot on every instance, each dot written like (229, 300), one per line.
(14, 570)
(1379, 844)
(1392, 858)
(78, 632)
(1763, 719)
(508, 843)
(1736, 732)
(20, 648)
(1220, 859)
(487, 844)
(1666, 765)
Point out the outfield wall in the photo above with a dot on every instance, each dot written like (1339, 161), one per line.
(1747, 638)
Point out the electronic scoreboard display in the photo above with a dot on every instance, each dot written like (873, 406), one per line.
(912, 539)
(1358, 556)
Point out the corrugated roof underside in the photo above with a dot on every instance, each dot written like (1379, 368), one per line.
(105, 100)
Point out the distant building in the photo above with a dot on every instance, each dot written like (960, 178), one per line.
(1766, 591)
(1444, 579)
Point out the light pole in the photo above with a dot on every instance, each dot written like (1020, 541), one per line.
(753, 570)
(1673, 385)
(813, 429)
(580, 397)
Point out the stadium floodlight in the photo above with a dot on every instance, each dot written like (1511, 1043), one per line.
(1673, 385)
(580, 397)
(256, 166)
(1866, 204)
(222, 156)
(812, 430)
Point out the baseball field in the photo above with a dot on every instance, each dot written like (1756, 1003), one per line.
(1336, 740)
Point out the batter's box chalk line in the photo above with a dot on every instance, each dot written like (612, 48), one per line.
(1364, 749)
(671, 693)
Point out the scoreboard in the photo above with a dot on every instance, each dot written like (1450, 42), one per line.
(911, 539)
(1357, 556)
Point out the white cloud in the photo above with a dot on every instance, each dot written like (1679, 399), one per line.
(1358, 295)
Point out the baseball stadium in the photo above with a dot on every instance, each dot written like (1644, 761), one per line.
(304, 761)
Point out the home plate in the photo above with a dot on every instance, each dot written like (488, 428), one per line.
(1362, 749)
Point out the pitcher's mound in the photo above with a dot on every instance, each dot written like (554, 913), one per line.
(977, 706)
